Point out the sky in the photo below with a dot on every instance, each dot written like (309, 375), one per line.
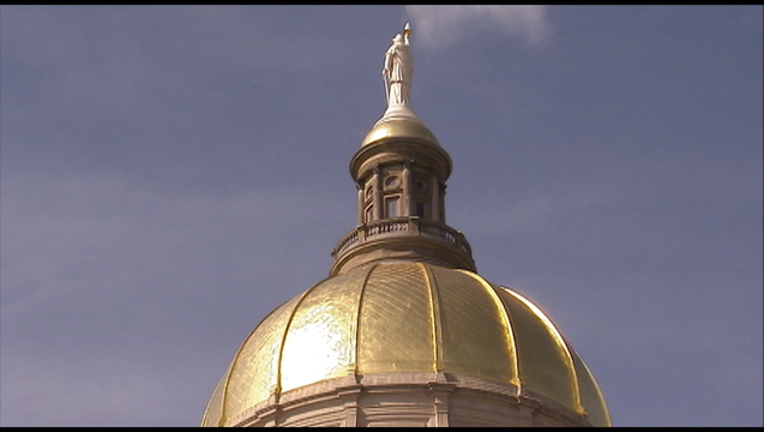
(171, 174)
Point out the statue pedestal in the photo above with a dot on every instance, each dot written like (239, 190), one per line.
(398, 111)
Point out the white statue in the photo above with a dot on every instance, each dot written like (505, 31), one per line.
(398, 71)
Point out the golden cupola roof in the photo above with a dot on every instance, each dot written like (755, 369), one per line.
(401, 317)
(409, 128)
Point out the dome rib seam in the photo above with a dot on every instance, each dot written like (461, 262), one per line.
(600, 395)
(437, 336)
(223, 409)
(224, 399)
(511, 341)
(358, 318)
(579, 408)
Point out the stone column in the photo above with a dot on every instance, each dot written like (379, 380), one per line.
(377, 186)
(360, 203)
(408, 196)
(442, 199)
(350, 407)
(435, 198)
(440, 394)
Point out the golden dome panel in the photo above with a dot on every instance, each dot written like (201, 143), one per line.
(591, 396)
(214, 414)
(406, 317)
(539, 343)
(395, 324)
(474, 338)
(322, 329)
(255, 371)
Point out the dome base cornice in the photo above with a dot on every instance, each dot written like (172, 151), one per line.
(409, 399)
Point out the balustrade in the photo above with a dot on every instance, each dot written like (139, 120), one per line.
(412, 225)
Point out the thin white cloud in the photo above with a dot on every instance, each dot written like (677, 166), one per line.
(439, 26)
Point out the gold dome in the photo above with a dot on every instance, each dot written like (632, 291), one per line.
(406, 317)
(408, 128)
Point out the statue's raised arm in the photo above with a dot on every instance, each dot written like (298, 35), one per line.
(398, 70)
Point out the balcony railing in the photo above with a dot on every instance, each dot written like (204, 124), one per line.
(406, 226)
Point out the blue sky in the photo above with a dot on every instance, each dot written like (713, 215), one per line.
(169, 175)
